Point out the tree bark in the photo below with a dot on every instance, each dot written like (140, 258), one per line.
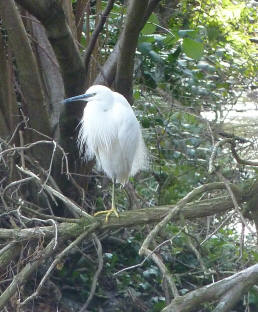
(108, 72)
(28, 73)
(127, 47)
(238, 284)
(126, 219)
(52, 16)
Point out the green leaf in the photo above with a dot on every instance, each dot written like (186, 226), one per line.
(146, 123)
(150, 27)
(192, 48)
(145, 47)
(155, 56)
(136, 95)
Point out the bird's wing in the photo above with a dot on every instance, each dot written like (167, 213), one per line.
(129, 134)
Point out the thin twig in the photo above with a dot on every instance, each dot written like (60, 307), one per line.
(234, 154)
(96, 33)
(195, 251)
(240, 160)
(214, 152)
(175, 210)
(15, 183)
(24, 274)
(96, 275)
(22, 151)
(146, 258)
(218, 228)
(164, 271)
(235, 203)
(51, 163)
(57, 259)
(14, 132)
(69, 203)
(40, 220)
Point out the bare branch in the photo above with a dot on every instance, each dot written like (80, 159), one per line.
(244, 279)
(145, 216)
(173, 212)
(25, 273)
(96, 33)
(40, 220)
(235, 202)
(146, 258)
(234, 153)
(214, 152)
(57, 259)
(164, 271)
(217, 229)
(240, 160)
(68, 202)
(107, 74)
(96, 275)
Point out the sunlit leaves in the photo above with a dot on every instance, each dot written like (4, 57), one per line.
(151, 25)
(193, 48)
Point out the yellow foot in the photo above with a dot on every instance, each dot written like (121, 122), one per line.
(108, 213)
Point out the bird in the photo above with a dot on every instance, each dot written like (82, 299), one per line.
(110, 132)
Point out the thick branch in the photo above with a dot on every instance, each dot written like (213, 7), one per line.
(51, 14)
(127, 46)
(107, 74)
(239, 282)
(50, 70)
(126, 219)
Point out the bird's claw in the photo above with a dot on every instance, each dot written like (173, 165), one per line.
(107, 213)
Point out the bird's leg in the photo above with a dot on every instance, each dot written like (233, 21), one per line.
(113, 206)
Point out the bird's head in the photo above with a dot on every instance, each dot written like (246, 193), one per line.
(94, 93)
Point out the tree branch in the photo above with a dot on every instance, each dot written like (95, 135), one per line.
(58, 259)
(108, 72)
(127, 46)
(240, 160)
(96, 275)
(173, 213)
(69, 203)
(133, 218)
(238, 284)
(96, 33)
(25, 273)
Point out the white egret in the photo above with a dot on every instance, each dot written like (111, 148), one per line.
(110, 131)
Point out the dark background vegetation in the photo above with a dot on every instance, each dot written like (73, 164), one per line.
(187, 232)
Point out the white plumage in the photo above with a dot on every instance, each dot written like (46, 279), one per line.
(110, 131)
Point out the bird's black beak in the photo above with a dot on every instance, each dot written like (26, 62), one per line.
(81, 97)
